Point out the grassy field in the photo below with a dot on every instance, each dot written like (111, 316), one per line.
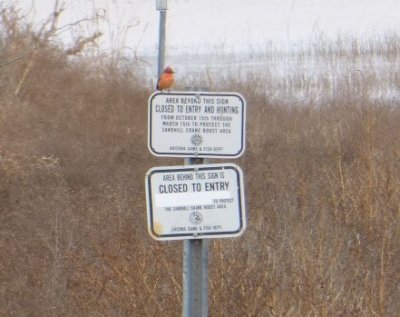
(322, 177)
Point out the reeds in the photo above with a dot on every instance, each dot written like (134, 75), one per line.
(322, 187)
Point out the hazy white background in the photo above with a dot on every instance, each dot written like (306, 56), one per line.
(201, 33)
(200, 25)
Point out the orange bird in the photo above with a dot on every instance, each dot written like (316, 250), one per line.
(166, 79)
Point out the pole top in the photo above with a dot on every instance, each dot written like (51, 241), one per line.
(161, 5)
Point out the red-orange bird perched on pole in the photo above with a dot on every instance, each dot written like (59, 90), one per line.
(166, 79)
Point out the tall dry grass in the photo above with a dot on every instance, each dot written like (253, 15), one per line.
(322, 182)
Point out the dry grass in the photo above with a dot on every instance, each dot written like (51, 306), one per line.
(322, 181)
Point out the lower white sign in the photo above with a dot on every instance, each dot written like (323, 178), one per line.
(195, 202)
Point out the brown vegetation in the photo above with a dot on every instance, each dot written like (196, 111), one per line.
(322, 182)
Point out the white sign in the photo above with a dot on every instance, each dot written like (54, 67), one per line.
(195, 202)
(202, 124)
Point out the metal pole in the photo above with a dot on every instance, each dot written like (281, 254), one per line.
(195, 278)
(195, 270)
(162, 7)
(195, 262)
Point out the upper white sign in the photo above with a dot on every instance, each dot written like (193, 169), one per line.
(197, 124)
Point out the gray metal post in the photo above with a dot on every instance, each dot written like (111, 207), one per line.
(195, 278)
(162, 7)
(195, 271)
